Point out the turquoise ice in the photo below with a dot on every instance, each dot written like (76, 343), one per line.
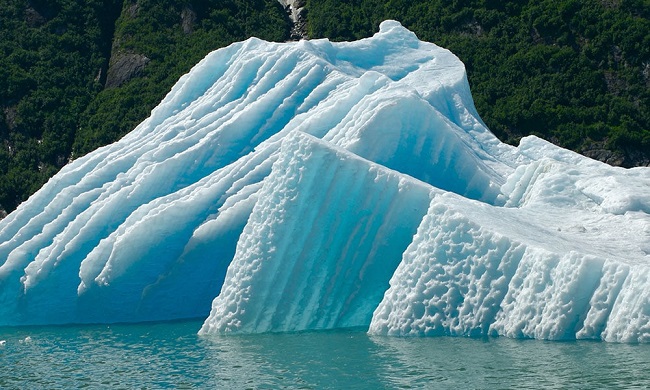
(315, 185)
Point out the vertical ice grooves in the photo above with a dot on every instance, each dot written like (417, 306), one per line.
(452, 279)
(300, 229)
(462, 278)
(343, 263)
(613, 277)
(629, 319)
(318, 250)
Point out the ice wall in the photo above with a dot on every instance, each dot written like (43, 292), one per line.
(301, 267)
(567, 257)
(145, 228)
(477, 270)
(312, 185)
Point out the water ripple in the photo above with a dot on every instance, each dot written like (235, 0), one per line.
(171, 355)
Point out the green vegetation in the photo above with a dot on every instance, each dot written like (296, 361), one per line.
(76, 75)
(174, 37)
(574, 72)
(55, 101)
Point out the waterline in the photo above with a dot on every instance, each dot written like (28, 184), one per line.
(172, 355)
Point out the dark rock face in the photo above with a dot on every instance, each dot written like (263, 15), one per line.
(299, 29)
(298, 15)
(635, 158)
(10, 115)
(123, 67)
(625, 158)
(33, 17)
(188, 19)
(606, 156)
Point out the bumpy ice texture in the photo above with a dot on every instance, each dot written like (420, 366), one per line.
(314, 185)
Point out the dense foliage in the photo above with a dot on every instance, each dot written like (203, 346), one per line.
(576, 72)
(76, 75)
(48, 62)
(174, 36)
(55, 55)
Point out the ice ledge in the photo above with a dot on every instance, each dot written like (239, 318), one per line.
(477, 270)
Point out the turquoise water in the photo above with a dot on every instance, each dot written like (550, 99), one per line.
(171, 355)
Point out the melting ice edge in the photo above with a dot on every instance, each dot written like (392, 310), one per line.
(317, 185)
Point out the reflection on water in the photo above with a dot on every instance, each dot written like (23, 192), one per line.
(521, 364)
(171, 355)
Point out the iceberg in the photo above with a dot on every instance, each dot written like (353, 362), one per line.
(317, 185)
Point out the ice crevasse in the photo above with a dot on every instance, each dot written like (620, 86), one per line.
(316, 185)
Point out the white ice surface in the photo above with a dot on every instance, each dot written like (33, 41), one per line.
(313, 185)
(475, 269)
(303, 267)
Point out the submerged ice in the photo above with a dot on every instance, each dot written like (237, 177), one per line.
(316, 185)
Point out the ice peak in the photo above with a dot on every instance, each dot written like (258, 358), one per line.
(395, 29)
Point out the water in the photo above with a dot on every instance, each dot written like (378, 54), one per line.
(171, 355)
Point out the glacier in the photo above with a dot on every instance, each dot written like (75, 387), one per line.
(316, 185)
